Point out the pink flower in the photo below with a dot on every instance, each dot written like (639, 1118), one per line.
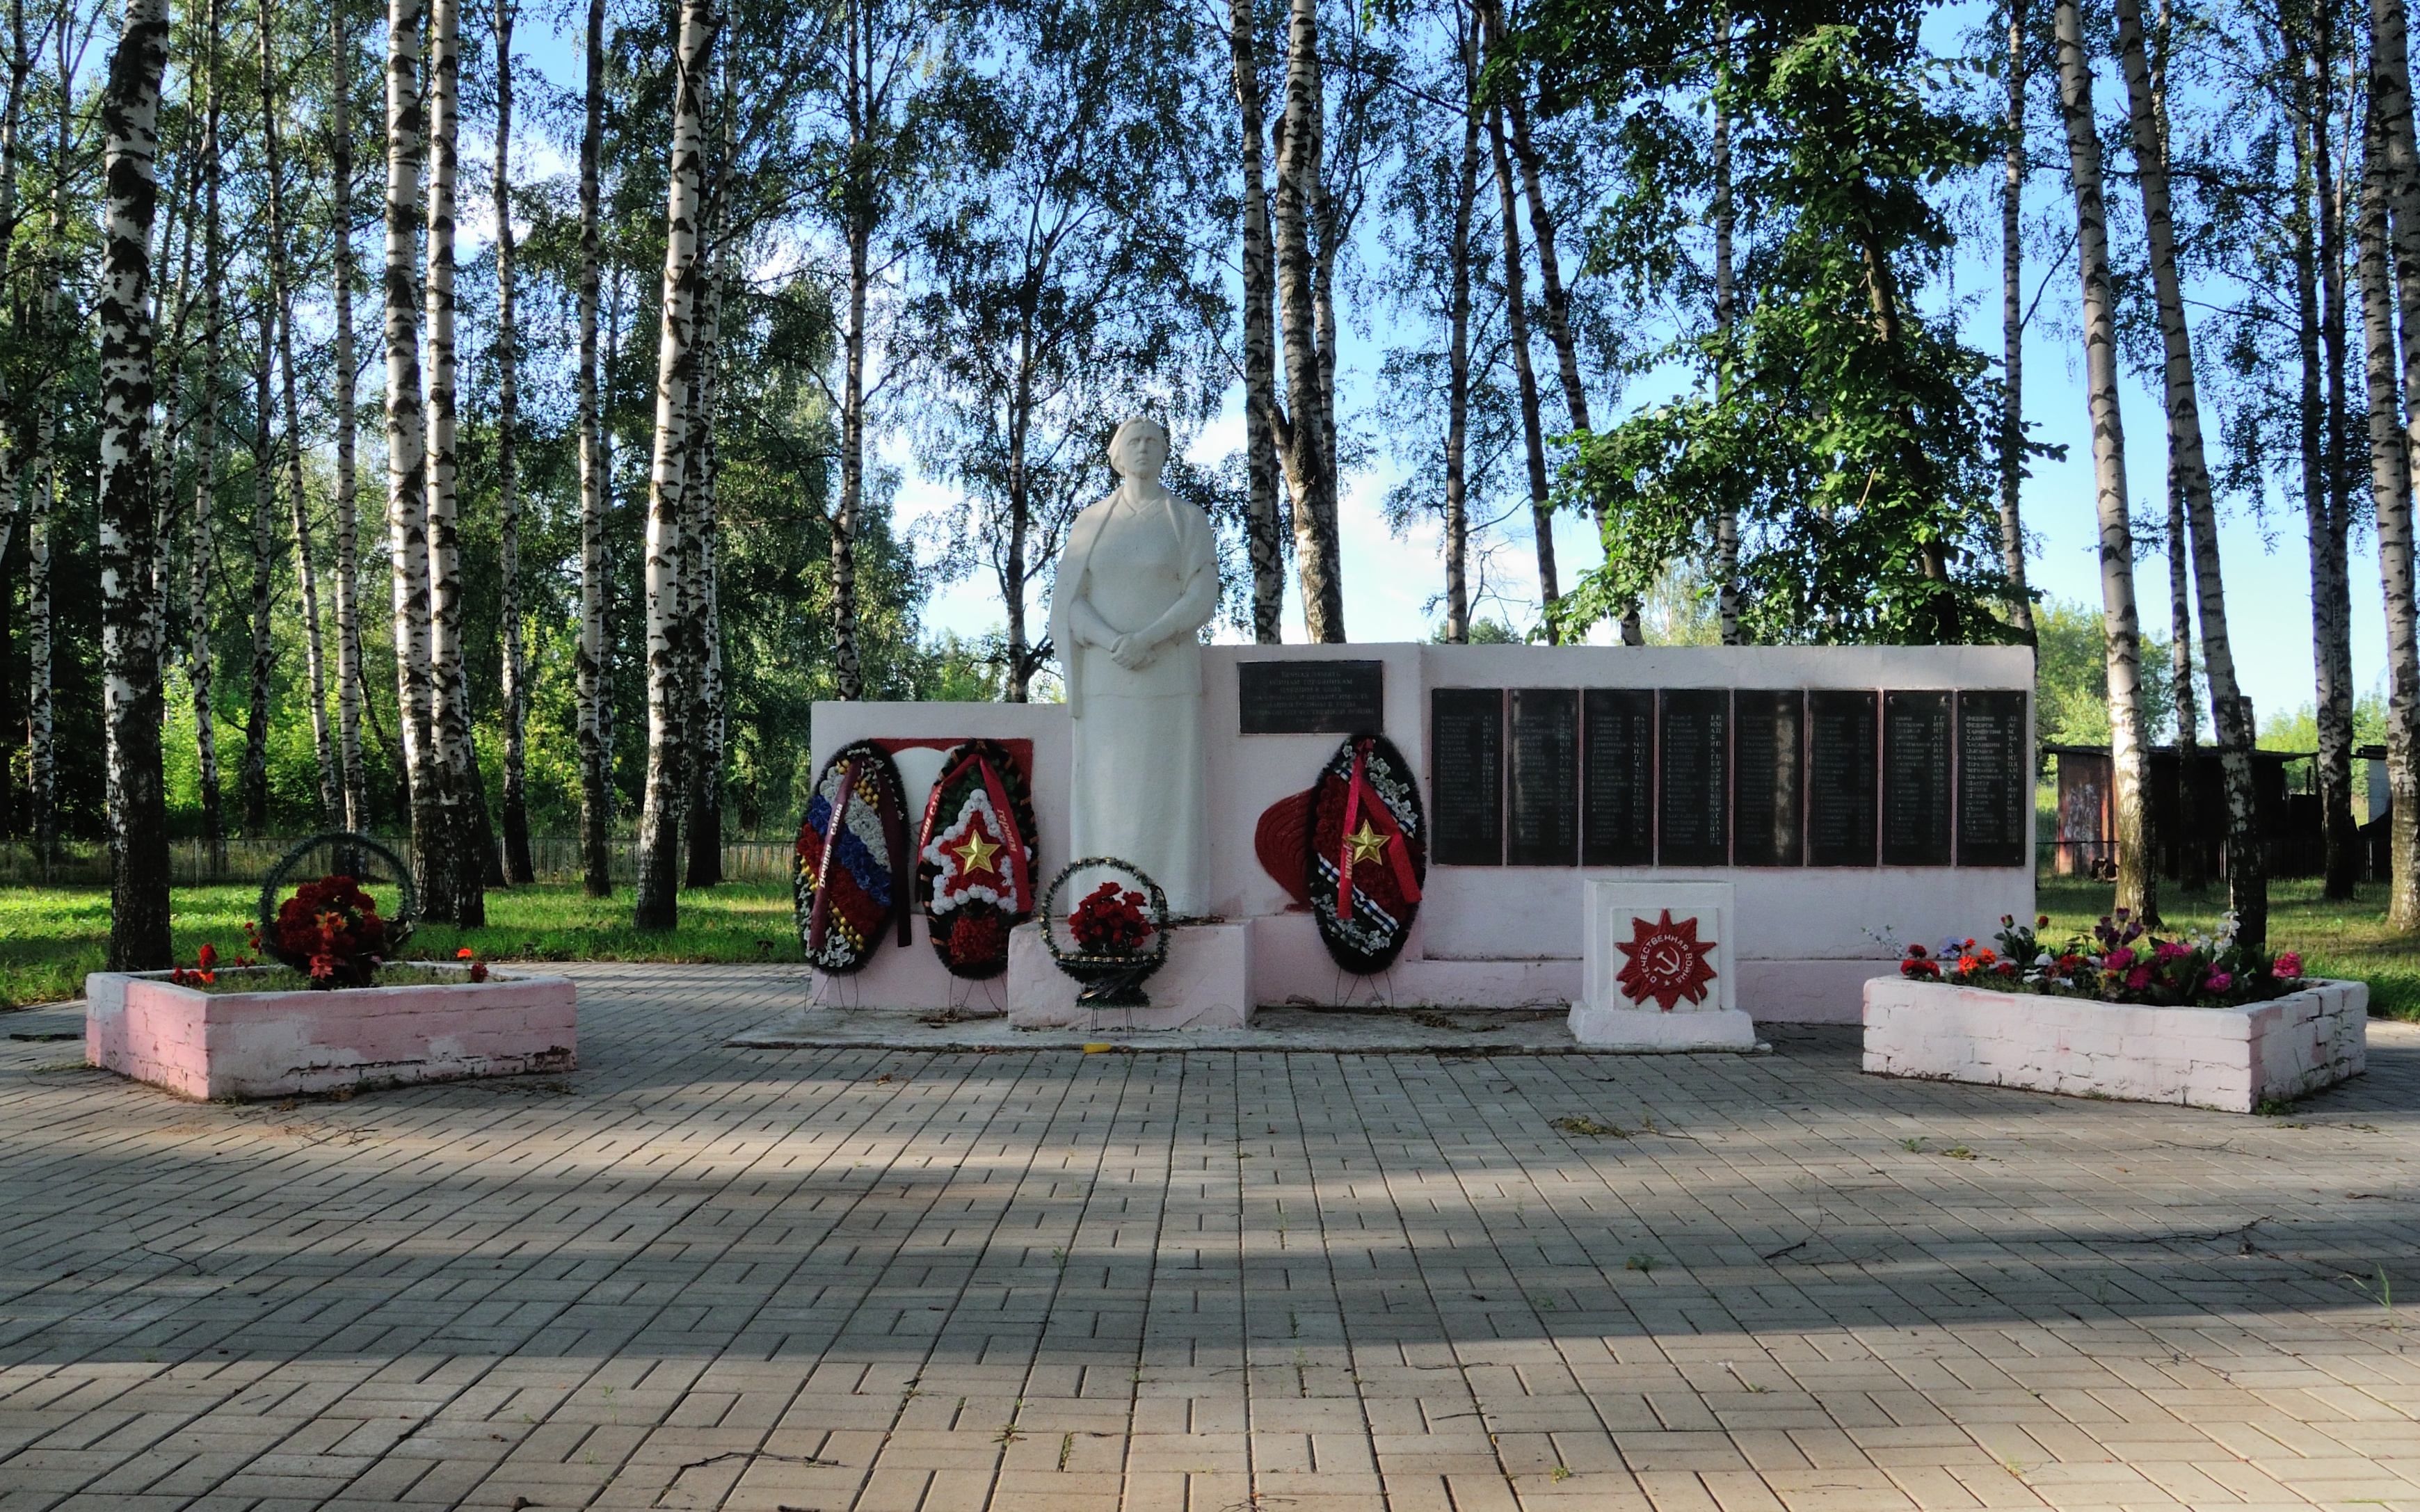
(2218, 981)
(2287, 967)
(2139, 978)
(2118, 960)
(2170, 951)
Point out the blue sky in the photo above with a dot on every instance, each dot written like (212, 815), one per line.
(1390, 578)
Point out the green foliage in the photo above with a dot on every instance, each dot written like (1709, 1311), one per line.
(2299, 729)
(2071, 679)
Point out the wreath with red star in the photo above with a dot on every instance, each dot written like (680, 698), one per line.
(975, 859)
(1367, 853)
(1666, 961)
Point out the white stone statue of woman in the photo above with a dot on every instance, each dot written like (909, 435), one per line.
(1138, 579)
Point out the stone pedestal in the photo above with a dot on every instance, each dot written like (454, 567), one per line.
(1206, 984)
(1697, 921)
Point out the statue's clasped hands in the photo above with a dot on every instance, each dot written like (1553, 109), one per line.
(1133, 653)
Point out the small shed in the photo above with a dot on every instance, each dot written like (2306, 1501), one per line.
(2188, 812)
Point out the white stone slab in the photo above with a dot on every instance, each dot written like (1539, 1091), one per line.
(1632, 1028)
(2229, 1058)
(1206, 984)
(1609, 922)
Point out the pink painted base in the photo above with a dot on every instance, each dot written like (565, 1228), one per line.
(215, 1045)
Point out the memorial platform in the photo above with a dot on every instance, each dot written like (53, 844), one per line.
(1854, 797)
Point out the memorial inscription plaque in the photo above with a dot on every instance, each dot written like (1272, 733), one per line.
(1767, 787)
(1840, 751)
(1543, 825)
(1618, 758)
(1916, 780)
(1466, 776)
(1995, 778)
(1693, 806)
(1312, 698)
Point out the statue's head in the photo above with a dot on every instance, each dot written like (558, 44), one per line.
(1140, 449)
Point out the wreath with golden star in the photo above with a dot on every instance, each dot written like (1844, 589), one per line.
(1666, 962)
(975, 859)
(1365, 853)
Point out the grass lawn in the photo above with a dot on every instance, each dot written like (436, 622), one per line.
(51, 936)
(2344, 940)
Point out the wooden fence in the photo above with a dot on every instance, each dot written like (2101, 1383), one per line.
(552, 858)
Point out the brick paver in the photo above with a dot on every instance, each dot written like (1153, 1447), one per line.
(699, 1275)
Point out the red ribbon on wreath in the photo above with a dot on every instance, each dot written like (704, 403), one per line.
(1391, 837)
(1019, 877)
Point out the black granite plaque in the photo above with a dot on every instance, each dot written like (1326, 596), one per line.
(1312, 698)
(1466, 776)
(1841, 751)
(1618, 760)
(1768, 785)
(1542, 827)
(1995, 778)
(1916, 778)
(1693, 801)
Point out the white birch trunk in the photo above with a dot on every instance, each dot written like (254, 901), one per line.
(2398, 187)
(131, 708)
(1263, 527)
(407, 443)
(1457, 424)
(2012, 329)
(2247, 881)
(252, 779)
(281, 293)
(1302, 435)
(1516, 328)
(465, 870)
(200, 661)
(595, 779)
(517, 870)
(2137, 876)
(658, 902)
(349, 582)
(2390, 466)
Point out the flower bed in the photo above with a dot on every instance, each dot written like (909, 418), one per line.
(2117, 1012)
(2233, 1058)
(209, 1041)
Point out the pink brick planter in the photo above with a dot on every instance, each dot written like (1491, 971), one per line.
(216, 1045)
(2228, 1058)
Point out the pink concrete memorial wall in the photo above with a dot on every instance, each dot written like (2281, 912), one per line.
(1922, 830)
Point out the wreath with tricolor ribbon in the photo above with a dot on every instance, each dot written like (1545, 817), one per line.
(850, 875)
(975, 856)
(1369, 854)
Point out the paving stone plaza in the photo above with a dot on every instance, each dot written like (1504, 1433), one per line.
(700, 1274)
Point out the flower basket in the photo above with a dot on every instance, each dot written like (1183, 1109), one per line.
(330, 927)
(1113, 939)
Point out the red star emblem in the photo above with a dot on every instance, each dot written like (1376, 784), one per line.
(1666, 963)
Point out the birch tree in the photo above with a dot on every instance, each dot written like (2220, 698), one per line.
(464, 872)
(199, 659)
(595, 779)
(348, 587)
(281, 298)
(1516, 323)
(2247, 882)
(252, 777)
(1264, 525)
(2390, 477)
(1302, 431)
(2394, 177)
(657, 905)
(2137, 870)
(517, 870)
(138, 821)
(407, 469)
(2013, 325)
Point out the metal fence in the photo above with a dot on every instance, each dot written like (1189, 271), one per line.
(552, 858)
